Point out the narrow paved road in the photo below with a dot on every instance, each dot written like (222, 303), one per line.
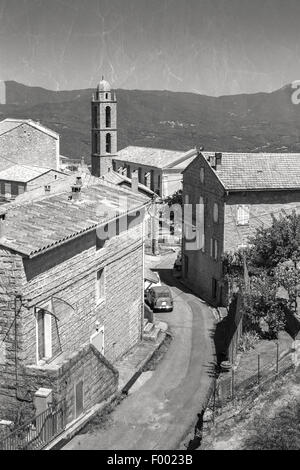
(160, 413)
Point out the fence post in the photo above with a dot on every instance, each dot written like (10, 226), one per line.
(214, 403)
(232, 383)
(258, 368)
(277, 358)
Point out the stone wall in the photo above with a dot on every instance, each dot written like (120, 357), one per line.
(262, 205)
(11, 335)
(100, 379)
(68, 274)
(29, 146)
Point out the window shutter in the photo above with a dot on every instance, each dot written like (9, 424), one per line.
(243, 215)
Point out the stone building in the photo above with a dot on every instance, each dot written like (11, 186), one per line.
(18, 179)
(23, 141)
(229, 195)
(71, 281)
(158, 169)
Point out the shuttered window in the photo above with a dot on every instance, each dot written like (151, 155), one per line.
(100, 286)
(243, 214)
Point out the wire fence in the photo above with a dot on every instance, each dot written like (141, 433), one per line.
(242, 386)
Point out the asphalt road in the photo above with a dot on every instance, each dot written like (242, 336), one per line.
(160, 413)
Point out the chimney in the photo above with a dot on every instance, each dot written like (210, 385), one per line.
(76, 192)
(2, 225)
(135, 181)
(212, 161)
(78, 181)
(218, 159)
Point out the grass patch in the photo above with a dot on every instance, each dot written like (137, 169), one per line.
(271, 422)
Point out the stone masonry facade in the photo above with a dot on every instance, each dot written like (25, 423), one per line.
(30, 146)
(199, 266)
(66, 276)
(262, 205)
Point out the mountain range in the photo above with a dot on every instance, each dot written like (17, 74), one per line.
(261, 122)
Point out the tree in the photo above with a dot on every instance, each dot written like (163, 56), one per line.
(174, 199)
(272, 263)
(278, 243)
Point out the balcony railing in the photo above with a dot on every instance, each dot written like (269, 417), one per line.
(38, 432)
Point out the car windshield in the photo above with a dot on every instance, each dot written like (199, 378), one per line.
(162, 294)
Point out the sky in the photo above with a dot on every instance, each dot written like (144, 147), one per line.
(212, 47)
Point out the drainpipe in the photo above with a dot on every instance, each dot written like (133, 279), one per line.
(18, 305)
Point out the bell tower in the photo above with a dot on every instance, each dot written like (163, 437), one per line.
(104, 128)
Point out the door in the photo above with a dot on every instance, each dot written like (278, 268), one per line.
(79, 398)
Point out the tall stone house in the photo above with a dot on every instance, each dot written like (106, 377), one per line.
(18, 179)
(71, 296)
(25, 142)
(226, 197)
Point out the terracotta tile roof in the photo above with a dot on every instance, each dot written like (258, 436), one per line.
(33, 227)
(159, 158)
(22, 173)
(10, 124)
(116, 178)
(258, 171)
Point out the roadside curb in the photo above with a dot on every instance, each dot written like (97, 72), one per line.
(142, 365)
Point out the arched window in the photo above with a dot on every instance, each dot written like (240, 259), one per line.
(108, 116)
(108, 143)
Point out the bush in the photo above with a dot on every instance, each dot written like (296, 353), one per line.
(248, 341)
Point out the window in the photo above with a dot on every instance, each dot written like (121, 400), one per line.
(96, 143)
(147, 179)
(140, 175)
(108, 143)
(216, 212)
(108, 116)
(44, 332)
(214, 288)
(202, 175)
(100, 286)
(7, 190)
(95, 117)
(243, 214)
(201, 224)
(158, 184)
(214, 248)
(21, 189)
(106, 96)
(152, 180)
